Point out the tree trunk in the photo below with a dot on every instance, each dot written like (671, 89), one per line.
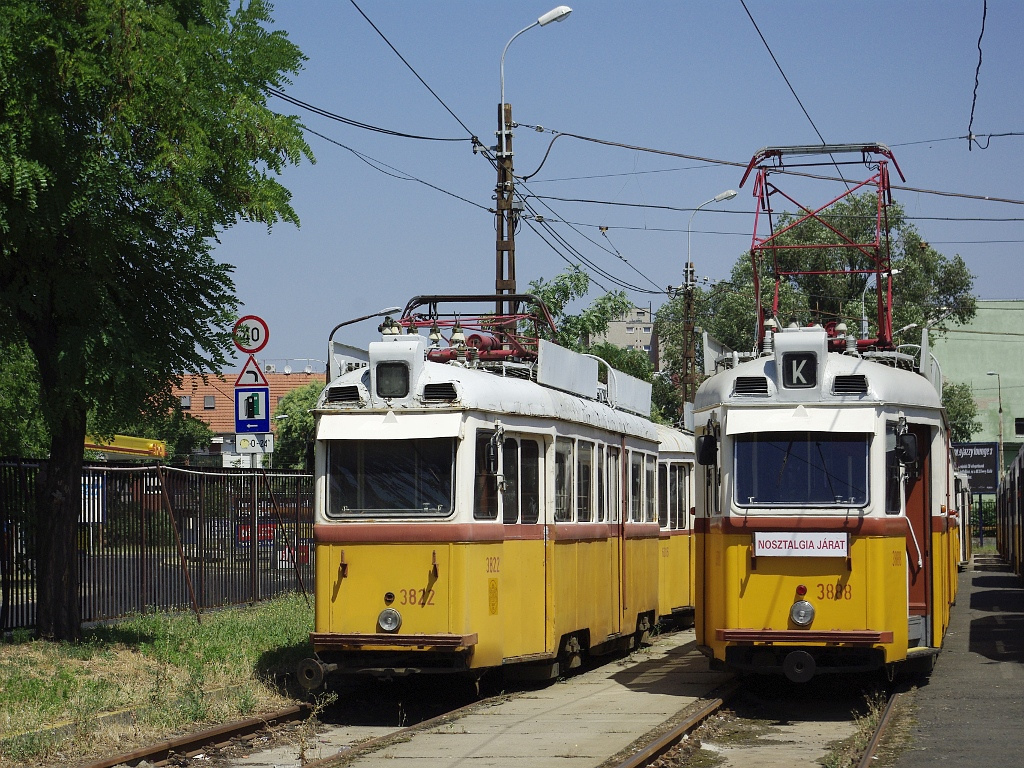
(58, 612)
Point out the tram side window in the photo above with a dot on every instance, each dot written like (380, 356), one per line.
(602, 502)
(510, 475)
(649, 494)
(675, 503)
(485, 485)
(614, 486)
(684, 496)
(636, 487)
(563, 480)
(664, 499)
(584, 481)
(530, 481)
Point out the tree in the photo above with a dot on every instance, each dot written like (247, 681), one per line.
(23, 432)
(958, 400)
(132, 133)
(293, 442)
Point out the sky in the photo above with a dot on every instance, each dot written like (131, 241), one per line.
(386, 218)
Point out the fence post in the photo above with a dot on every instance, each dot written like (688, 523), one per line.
(177, 540)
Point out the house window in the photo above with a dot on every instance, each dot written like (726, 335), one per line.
(1018, 426)
(629, 329)
(647, 329)
(186, 402)
(209, 402)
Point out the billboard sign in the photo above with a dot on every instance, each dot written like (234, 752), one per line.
(980, 462)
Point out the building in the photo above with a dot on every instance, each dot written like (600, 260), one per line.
(635, 331)
(992, 342)
(213, 402)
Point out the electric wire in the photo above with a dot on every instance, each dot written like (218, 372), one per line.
(411, 69)
(977, 75)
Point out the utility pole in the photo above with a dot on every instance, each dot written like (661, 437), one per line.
(505, 214)
(689, 383)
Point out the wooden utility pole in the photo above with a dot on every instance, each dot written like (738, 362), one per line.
(505, 214)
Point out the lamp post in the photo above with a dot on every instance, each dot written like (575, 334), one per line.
(330, 338)
(505, 212)
(999, 391)
(863, 311)
(729, 194)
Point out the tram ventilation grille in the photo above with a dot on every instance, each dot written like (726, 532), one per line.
(751, 385)
(348, 394)
(440, 392)
(856, 384)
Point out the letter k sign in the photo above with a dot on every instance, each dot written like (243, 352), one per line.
(799, 370)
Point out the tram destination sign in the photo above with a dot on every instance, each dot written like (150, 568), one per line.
(980, 462)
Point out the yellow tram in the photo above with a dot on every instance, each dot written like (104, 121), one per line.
(482, 502)
(675, 520)
(827, 530)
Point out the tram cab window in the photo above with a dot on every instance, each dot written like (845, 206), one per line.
(510, 479)
(614, 486)
(563, 480)
(636, 487)
(485, 483)
(893, 473)
(390, 478)
(801, 469)
(584, 481)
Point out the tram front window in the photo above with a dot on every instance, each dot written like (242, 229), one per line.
(801, 469)
(390, 478)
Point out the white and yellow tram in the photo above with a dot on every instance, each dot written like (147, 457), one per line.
(675, 519)
(481, 503)
(824, 512)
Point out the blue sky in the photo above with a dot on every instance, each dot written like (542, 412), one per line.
(688, 77)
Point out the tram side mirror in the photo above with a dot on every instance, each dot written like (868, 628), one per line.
(707, 450)
(491, 456)
(906, 448)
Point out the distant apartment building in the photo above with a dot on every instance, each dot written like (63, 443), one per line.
(635, 331)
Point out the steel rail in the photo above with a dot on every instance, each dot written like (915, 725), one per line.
(191, 742)
(880, 729)
(667, 740)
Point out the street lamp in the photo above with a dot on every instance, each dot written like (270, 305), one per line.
(729, 194)
(999, 391)
(330, 339)
(863, 311)
(555, 14)
(505, 208)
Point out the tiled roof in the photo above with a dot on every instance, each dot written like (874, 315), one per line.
(221, 417)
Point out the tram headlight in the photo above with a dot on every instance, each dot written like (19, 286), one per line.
(390, 620)
(802, 613)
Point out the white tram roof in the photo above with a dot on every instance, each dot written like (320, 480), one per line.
(672, 441)
(801, 371)
(349, 407)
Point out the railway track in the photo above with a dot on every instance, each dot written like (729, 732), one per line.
(658, 707)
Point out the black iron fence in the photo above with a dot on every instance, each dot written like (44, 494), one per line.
(158, 538)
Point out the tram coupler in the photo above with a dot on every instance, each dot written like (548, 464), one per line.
(313, 672)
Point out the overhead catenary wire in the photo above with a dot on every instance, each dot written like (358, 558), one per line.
(977, 76)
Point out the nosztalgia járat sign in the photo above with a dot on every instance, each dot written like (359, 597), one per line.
(980, 462)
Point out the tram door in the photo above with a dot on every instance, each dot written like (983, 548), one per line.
(523, 563)
(919, 545)
(616, 551)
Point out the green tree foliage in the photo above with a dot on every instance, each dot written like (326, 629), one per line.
(958, 399)
(576, 332)
(23, 432)
(132, 133)
(293, 440)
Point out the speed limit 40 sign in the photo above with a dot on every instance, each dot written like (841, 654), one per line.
(251, 334)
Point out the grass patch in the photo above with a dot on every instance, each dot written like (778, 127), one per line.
(160, 667)
(848, 751)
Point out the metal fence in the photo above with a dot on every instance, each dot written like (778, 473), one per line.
(158, 538)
